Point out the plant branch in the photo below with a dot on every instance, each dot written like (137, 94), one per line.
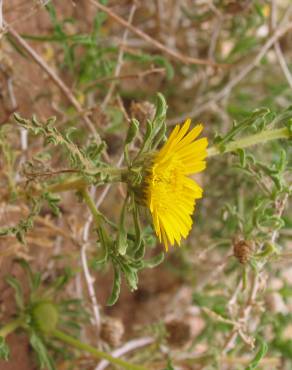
(95, 352)
(91, 205)
(266, 135)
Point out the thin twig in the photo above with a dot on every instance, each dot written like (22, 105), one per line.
(128, 347)
(88, 278)
(158, 45)
(23, 132)
(277, 47)
(216, 31)
(138, 75)
(120, 59)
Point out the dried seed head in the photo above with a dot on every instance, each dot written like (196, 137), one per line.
(242, 250)
(142, 111)
(112, 331)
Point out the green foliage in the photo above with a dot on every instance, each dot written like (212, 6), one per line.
(53, 136)
(4, 350)
(262, 351)
(125, 251)
(44, 359)
(44, 309)
(18, 293)
(126, 254)
(261, 213)
(169, 366)
(24, 224)
(246, 189)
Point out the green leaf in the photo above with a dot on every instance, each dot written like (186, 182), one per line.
(156, 128)
(116, 287)
(45, 361)
(259, 355)
(18, 293)
(34, 278)
(242, 157)
(130, 272)
(132, 131)
(4, 350)
(154, 261)
(161, 107)
(169, 365)
(244, 45)
(53, 201)
(138, 239)
(140, 250)
(122, 241)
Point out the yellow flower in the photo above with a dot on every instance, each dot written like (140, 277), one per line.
(170, 192)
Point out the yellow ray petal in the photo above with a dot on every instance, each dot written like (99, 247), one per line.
(170, 193)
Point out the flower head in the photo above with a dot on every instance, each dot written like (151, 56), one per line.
(170, 192)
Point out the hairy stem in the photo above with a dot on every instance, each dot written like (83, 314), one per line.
(95, 352)
(266, 135)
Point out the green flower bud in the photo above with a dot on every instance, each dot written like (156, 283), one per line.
(45, 316)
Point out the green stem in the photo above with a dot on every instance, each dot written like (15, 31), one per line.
(266, 135)
(91, 205)
(71, 184)
(10, 327)
(77, 183)
(95, 352)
